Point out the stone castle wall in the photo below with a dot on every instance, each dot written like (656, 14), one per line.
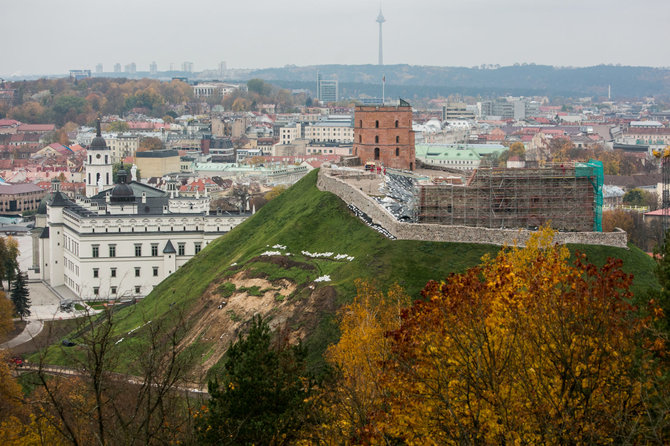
(443, 233)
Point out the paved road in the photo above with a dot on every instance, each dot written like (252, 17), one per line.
(45, 306)
(32, 329)
(68, 371)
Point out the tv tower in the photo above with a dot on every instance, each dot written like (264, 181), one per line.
(380, 20)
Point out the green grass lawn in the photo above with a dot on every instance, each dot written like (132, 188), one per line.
(306, 219)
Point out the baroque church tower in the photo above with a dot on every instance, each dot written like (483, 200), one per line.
(98, 165)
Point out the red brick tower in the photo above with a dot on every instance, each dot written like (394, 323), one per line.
(384, 135)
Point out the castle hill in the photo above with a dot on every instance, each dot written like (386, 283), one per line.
(239, 229)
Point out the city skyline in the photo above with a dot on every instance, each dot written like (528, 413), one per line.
(428, 32)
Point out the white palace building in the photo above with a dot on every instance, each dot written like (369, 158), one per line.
(120, 242)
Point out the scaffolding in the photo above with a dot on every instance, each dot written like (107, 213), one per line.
(567, 196)
(664, 157)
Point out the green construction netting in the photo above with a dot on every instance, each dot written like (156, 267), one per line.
(594, 171)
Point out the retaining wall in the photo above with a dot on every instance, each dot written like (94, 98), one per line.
(444, 233)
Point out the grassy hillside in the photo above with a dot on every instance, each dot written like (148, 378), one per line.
(305, 219)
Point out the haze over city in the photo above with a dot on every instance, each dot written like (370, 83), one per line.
(81, 34)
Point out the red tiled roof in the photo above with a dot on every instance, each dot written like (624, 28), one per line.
(29, 128)
(659, 212)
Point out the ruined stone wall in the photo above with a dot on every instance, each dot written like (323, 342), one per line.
(444, 233)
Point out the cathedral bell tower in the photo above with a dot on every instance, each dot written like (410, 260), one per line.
(98, 165)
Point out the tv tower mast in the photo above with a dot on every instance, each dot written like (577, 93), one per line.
(380, 20)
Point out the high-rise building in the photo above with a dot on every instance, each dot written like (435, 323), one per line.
(222, 69)
(117, 67)
(98, 68)
(326, 89)
(153, 67)
(384, 135)
(130, 68)
(187, 67)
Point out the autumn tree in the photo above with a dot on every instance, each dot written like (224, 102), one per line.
(260, 396)
(118, 126)
(526, 348)
(517, 149)
(618, 218)
(274, 192)
(6, 315)
(349, 403)
(150, 143)
(9, 253)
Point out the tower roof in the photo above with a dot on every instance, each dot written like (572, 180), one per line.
(98, 142)
(380, 17)
(122, 192)
(169, 248)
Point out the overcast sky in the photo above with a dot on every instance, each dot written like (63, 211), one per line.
(53, 36)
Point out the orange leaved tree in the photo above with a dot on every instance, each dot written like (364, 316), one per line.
(527, 348)
(349, 403)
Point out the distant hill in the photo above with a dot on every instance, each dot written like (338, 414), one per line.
(527, 80)
(233, 269)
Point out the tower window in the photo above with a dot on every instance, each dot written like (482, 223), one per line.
(376, 138)
(397, 151)
(360, 138)
(397, 139)
(360, 123)
(376, 124)
(376, 153)
(396, 123)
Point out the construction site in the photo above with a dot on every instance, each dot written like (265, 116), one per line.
(567, 196)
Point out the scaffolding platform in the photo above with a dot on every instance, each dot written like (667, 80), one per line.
(568, 196)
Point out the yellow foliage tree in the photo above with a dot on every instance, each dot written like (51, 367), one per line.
(6, 315)
(349, 406)
(274, 192)
(524, 349)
